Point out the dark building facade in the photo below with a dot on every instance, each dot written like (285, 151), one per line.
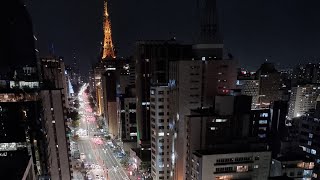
(269, 81)
(151, 69)
(17, 47)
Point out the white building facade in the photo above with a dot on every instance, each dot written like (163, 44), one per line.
(225, 166)
(302, 99)
(161, 134)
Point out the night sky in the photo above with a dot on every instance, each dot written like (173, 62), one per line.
(284, 31)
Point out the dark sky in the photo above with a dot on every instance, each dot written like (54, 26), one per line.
(284, 31)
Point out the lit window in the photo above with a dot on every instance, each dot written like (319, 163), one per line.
(256, 166)
(263, 121)
(161, 134)
(263, 114)
(310, 135)
(221, 120)
(313, 151)
(242, 168)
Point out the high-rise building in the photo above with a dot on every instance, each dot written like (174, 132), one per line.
(59, 159)
(303, 98)
(20, 133)
(109, 90)
(269, 82)
(12, 55)
(249, 85)
(161, 133)
(128, 119)
(222, 131)
(260, 123)
(308, 134)
(293, 165)
(152, 63)
(22, 143)
(306, 74)
(237, 162)
(194, 84)
(54, 102)
(286, 85)
(53, 75)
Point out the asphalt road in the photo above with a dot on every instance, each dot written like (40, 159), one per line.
(97, 153)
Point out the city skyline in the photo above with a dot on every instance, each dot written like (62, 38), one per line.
(281, 32)
(176, 109)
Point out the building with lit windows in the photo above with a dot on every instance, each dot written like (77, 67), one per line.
(249, 85)
(308, 137)
(161, 133)
(53, 74)
(306, 74)
(194, 84)
(54, 102)
(109, 98)
(152, 62)
(292, 165)
(269, 85)
(59, 156)
(128, 119)
(231, 163)
(302, 99)
(260, 123)
(22, 142)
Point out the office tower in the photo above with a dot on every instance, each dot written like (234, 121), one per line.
(12, 56)
(285, 87)
(110, 102)
(208, 127)
(59, 160)
(132, 71)
(302, 99)
(124, 81)
(278, 131)
(249, 85)
(192, 86)
(238, 162)
(152, 62)
(260, 123)
(292, 165)
(223, 132)
(22, 146)
(128, 118)
(306, 74)
(308, 133)
(54, 101)
(161, 133)
(20, 113)
(269, 81)
(98, 70)
(53, 74)
(127, 100)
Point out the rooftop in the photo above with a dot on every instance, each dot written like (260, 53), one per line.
(143, 155)
(293, 157)
(233, 148)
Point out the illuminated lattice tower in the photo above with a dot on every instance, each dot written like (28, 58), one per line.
(108, 49)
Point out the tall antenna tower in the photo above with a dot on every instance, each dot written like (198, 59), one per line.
(108, 49)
